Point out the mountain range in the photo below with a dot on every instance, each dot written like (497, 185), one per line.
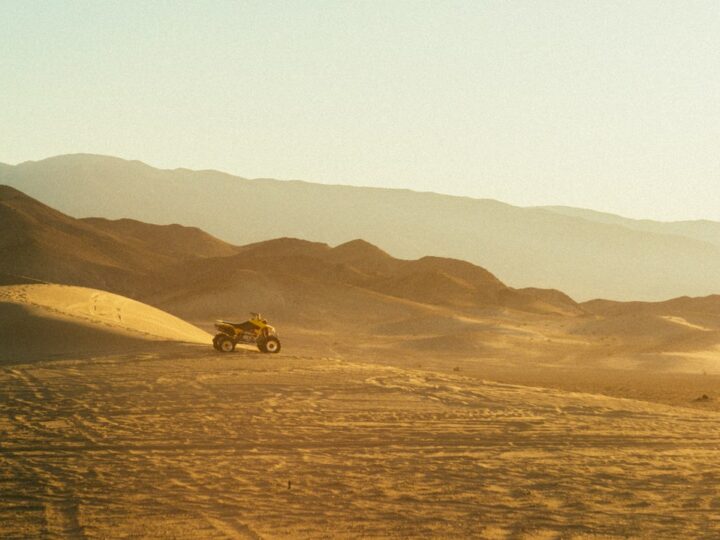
(354, 292)
(149, 262)
(584, 253)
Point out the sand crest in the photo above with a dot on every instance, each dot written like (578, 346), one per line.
(46, 320)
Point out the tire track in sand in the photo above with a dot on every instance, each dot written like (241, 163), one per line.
(220, 521)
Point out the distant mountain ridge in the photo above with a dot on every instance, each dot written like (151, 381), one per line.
(155, 262)
(700, 229)
(583, 254)
(353, 290)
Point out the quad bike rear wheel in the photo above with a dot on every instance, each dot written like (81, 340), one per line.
(225, 344)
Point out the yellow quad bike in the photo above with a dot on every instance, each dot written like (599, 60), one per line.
(255, 330)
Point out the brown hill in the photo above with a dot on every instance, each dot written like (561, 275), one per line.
(585, 255)
(354, 290)
(41, 243)
(176, 241)
(301, 279)
(184, 268)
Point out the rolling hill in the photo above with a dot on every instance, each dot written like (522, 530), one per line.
(588, 255)
(41, 243)
(171, 262)
(351, 293)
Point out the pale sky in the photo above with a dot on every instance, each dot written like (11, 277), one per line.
(610, 105)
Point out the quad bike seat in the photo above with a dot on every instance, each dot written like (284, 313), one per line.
(245, 325)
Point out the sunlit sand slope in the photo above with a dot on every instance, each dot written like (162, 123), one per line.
(39, 321)
(190, 443)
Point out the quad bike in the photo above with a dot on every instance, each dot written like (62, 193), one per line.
(256, 330)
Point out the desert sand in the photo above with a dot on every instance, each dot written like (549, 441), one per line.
(330, 439)
(412, 398)
(187, 443)
(51, 321)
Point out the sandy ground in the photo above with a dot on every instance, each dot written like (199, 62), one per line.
(110, 427)
(185, 442)
(688, 379)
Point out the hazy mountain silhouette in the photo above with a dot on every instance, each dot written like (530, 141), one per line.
(153, 261)
(581, 254)
(701, 229)
(355, 288)
(40, 243)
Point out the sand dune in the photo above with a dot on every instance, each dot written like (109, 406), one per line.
(46, 321)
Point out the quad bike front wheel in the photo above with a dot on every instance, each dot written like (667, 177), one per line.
(224, 344)
(269, 345)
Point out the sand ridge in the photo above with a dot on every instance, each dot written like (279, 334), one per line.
(48, 320)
